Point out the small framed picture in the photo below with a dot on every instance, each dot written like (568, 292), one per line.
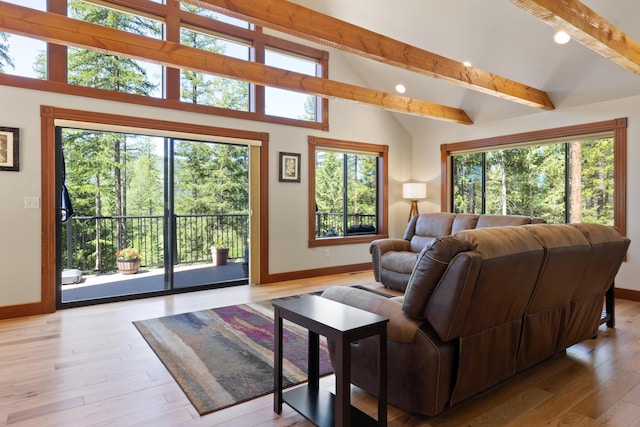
(9, 146)
(289, 167)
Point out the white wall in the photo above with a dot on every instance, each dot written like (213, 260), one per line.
(426, 158)
(20, 240)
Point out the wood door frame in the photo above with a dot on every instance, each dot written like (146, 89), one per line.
(49, 115)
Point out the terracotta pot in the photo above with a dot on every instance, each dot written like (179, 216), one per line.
(128, 266)
(220, 256)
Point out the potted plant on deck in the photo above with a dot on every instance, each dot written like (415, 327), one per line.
(128, 260)
(219, 253)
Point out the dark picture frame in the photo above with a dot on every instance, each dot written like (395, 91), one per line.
(289, 167)
(9, 149)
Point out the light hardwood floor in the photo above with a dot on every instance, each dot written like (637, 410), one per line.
(90, 367)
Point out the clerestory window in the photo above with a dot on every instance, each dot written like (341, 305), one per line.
(176, 22)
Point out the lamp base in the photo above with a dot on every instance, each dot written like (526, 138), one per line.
(414, 209)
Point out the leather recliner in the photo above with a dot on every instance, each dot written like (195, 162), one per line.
(482, 305)
(393, 259)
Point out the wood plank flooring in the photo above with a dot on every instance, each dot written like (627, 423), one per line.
(90, 367)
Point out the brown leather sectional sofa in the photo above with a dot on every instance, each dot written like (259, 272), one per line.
(393, 259)
(484, 304)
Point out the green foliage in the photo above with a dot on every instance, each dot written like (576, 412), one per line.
(329, 181)
(103, 71)
(361, 184)
(90, 163)
(5, 59)
(111, 174)
(128, 253)
(200, 88)
(345, 187)
(310, 105)
(534, 180)
(597, 181)
(211, 178)
(145, 183)
(467, 183)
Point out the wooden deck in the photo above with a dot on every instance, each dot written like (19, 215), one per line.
(149, 280)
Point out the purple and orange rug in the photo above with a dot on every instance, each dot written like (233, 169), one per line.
(224, 356)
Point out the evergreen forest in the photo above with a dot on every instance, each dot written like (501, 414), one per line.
(560, 182)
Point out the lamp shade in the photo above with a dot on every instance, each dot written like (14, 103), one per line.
(414, 190)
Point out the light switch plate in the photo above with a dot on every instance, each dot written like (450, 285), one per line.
(32, 202)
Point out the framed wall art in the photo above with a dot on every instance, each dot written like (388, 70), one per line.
(9, 149)
(289, 167)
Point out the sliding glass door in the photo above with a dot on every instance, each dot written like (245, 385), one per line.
(169, 204)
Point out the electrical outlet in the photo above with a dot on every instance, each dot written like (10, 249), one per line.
(326, 252)
(32, 202)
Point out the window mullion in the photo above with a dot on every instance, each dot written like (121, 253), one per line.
(171, 79)
(257, 101)
(345, 192)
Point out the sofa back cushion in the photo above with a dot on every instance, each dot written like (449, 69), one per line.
(608, 249)
(427, 227)
(464, 221)
(547, 315)
(511, 259)
(430, 265)
(502, 220)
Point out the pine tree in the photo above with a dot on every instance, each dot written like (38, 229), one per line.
(5, 59)
(110, 72)
(200, 88)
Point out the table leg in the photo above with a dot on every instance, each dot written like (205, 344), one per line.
(610, 304)
(382, 379)
(314, 361)
(277, 356)
(343, 383)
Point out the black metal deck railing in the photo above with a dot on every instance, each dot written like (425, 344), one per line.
(90, 243)
(333, 224)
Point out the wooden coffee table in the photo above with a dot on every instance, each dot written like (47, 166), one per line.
(341, 324)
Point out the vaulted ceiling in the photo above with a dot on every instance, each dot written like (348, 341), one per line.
(495, 36)
(517, 68)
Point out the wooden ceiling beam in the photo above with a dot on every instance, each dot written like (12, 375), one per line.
(588, 28)
(58, 29)
(290, 18)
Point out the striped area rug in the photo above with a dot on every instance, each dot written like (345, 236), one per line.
(224, 356)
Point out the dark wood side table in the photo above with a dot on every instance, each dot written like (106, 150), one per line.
(342, 324)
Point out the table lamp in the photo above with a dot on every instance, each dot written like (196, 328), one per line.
(414, 191)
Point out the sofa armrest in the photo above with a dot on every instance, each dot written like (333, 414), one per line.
(385, 245)
(400, 328)
(377, 248)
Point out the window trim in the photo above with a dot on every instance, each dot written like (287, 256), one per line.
(382, 152)
(173, 18)
(617, 126)
(49, 115)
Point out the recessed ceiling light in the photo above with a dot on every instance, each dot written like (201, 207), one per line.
(400, 88)
(466, 64)
(561, 37)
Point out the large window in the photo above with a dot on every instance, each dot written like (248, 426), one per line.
(347, 190)
(573, 174)
(85, 70)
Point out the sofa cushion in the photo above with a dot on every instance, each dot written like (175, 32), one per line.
(427, 227)
(464, 221)
(399, 261)
(429, 267)
(502, 220)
